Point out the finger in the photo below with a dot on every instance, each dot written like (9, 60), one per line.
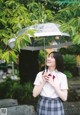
(46, 77)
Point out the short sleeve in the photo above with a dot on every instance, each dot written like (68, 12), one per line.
(64, 82)
(38, 79)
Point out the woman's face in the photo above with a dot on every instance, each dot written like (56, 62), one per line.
(50, 62)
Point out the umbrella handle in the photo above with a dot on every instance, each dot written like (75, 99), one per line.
(45, 56)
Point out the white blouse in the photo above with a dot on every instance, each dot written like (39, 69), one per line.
(48, 90)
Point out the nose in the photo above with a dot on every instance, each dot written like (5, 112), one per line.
(49, 58)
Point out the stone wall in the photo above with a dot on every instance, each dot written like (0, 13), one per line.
(11, 107)
(72, 108)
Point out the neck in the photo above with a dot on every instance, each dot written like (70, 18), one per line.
(51, 69)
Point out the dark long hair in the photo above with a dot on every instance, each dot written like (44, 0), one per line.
(58, 59)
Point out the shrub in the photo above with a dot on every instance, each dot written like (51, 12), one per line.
(5, 88)
(70, 64)
(68, 74)
(15, 90)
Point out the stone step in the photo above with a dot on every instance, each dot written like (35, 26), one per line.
(71, 108)
(78, 92)
(75, 86)
(18, 110)
(8, 102)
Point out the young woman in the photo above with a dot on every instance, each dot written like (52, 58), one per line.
(52, 87)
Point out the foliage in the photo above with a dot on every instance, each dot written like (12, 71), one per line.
(69, 61)
(5, 88)
(71, 20)
(42, 56)
(15, 90)
(68, 74)
(72, 96)
(73, 49)
(14, 16)
(70, 64)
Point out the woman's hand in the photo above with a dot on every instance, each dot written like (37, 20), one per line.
(61, 93)
(45, 77)
(51, 81)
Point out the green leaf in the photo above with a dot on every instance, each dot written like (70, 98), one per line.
(9, 56)
(5, 56)
(76, 39)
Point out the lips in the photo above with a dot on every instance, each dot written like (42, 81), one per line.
(51, 76)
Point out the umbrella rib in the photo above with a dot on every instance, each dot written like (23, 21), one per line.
(44, 55)
(31, 48)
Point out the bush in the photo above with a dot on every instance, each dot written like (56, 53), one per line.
(72, 96)
(15, 90)
(68, 74)
(70, 64)
(5, 88)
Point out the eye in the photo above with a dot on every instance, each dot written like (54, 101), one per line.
(51, 55)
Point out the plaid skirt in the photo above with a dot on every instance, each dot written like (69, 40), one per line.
(49, 106)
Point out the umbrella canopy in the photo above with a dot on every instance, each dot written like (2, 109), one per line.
(45, 29)
(42, 30)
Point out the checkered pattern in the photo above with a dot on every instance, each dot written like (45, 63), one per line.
(49, 106)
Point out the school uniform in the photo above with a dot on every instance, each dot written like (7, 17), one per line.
(49, 102)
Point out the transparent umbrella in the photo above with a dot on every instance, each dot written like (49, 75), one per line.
(43, 31)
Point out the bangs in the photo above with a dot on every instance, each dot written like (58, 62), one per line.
(52, 55)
